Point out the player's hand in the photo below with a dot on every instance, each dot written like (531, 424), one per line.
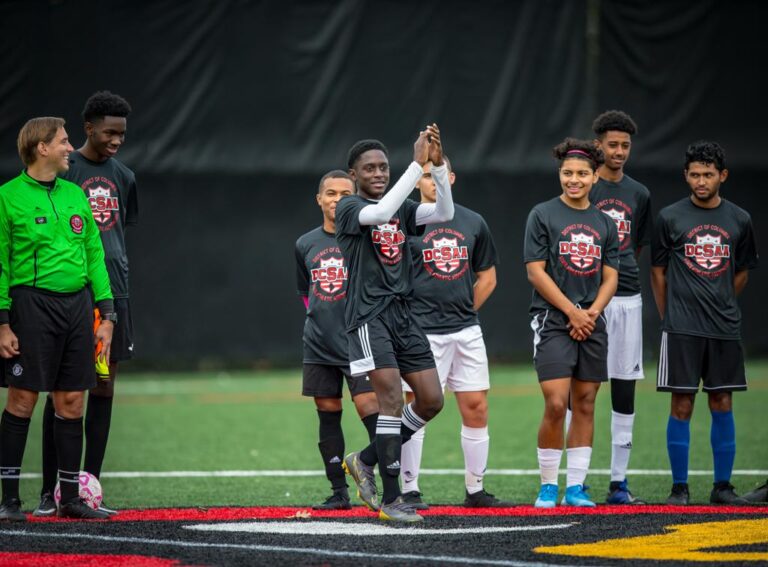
(435, 144)
(9, 343)
(421, 148)
(104, 334)
(580, 324)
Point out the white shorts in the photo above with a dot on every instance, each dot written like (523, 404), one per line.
(624, 315)
(461, 361)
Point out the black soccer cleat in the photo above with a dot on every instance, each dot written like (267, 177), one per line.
(414, 499)
(10, 511)
(758, 495)
(47, 506)
(484, 499)
(104, 508)
(339, 500)
(619, 493)
(679, 495)
(79, 510)
(723, 493)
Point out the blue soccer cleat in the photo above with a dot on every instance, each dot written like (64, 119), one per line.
(577, 496)
(547, 497)
(618, 493)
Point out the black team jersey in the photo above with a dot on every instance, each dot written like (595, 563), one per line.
(575, 244)
(702, 250)
(445, 260)
(377, 257)
(321, 275)
(628, 203)
(111, 189)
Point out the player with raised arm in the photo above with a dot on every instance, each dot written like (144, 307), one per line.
(384, 340)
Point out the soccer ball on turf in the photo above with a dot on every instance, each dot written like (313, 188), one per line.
(90, 490)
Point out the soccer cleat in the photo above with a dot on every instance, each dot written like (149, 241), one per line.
(104, 508)
(576, 495)
(759, 494)
(362, 474)
(414, 499)
(78, 509)
(339, 500)
(679, 495)
(618, 493)
(547, 497)
(47, 506)
(399, 511)
(484, 499)
(723, 493)
(10, 510)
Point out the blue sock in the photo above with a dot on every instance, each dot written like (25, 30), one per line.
(678, 440)
(723, 439)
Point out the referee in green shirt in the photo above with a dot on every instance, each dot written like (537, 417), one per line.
(51, 265)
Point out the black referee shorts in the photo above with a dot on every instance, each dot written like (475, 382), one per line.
(326, 381)
(55, 332)
(685, 360)
(557, 355)
(390, 340)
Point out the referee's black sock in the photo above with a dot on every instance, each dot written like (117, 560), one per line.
(50, 463)
(370, 425)
(13, 439)
(69, 449)
(331, 447)
(98, 418)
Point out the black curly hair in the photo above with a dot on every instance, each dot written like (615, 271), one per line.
(705, 152)
(104, 103)
(579, 149)
(614, 120)
(362, 146)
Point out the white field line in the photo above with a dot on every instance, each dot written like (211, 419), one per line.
(436, 472)
(385, 559)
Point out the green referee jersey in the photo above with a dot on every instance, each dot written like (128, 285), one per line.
(48, 240)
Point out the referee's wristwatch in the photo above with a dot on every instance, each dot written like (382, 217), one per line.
(109, 317)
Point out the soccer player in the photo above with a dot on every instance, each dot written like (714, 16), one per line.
(628, 203)
(571, 254)
(110, 187)
(702, 250)
(50, 255)
(454, 274)
(384, 340)
(322, 284)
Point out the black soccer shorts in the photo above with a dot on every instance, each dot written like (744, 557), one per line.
(684, 360)
(326, 381)
(557, 355)
(390, 340)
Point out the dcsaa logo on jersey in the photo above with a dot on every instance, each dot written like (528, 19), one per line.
(444, 254)
(388, 241)
(581, 253)
(708, 250)
(621, 213)
(330, 275)
(102, 195)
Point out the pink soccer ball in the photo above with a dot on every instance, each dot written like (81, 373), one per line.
(90, 490)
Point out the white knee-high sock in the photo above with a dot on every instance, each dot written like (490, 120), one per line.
(474, 442)
(410, 462)
(568, 417)
(549, 464)
(578, 464)
(621, 444)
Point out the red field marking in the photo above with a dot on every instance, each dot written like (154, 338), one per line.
(19, 559)
(285, 512)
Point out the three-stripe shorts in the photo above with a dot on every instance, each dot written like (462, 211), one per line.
(390, 340)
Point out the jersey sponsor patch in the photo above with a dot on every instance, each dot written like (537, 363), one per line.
(76, 224)
(388, 240)
(580, 250)
(102, 194)
(445, 257)
(708, 250)
(41, 220)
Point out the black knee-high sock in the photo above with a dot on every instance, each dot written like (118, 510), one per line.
(50, 463)
(98, 417)
(388, 450)
(331, 447)
(69, 449)
(370, 425)
(13, 439)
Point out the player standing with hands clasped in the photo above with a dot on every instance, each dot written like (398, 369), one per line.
(384, 340)
(571, 255)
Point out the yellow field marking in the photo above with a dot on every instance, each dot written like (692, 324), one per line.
(683, 542)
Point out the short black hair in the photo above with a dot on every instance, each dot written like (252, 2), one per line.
(362, 146)
(105, 103)
(614, 120)
(579, 149)
(705, 152)
(335, 174)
